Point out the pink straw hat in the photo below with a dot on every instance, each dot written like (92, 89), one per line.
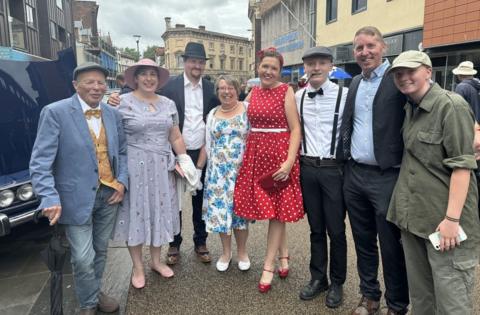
(163, 74)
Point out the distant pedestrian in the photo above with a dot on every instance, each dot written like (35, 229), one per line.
(320, 105)
(149, 215)
(436, 191)
(469, 87)
(227, 128)
(372, 145)
(268, 185)
(120, 81)
(79, 170)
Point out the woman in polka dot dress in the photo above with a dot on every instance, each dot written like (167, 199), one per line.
(272, 144)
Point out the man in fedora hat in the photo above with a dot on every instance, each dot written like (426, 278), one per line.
(469, 87)
(79, 170)
(194, 97)
(320, 105)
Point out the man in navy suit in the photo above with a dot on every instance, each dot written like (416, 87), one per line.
(79, 171)
(194, 97)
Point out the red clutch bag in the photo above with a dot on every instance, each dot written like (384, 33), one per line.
(267, 182)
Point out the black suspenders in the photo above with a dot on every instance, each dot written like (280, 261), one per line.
(335, 122)
(302, 124)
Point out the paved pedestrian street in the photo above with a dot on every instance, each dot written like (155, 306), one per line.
(199, 288)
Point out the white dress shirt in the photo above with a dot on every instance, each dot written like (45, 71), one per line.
(94, 123)
(318, 115)
(193, 126)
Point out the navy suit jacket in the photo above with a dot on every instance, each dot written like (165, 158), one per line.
(175, 90)
(64, 166)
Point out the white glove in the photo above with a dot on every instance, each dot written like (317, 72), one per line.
(191, 174)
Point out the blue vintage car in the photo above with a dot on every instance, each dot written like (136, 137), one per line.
(25, 88)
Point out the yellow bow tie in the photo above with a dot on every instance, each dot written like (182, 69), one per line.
(97, 113)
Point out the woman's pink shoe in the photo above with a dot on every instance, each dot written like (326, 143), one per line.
(138, 282)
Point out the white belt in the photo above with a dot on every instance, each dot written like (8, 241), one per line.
(269, 129)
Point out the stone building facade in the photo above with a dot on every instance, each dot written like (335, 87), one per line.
(228, 54)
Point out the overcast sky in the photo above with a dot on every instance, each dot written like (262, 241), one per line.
(122, 19)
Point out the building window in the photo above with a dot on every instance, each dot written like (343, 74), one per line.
(359, 6)
(212, 61)
(60, 4)
(53, 30)
(240, 50)
(222, 47)
(240, 64)
(232, 49)
(31, 16)
(179, 60)
(211, 45)
(331, 11)
(222, 64)
(232, 63)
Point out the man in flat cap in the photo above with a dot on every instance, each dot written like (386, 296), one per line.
(79, 170)
(320, 105)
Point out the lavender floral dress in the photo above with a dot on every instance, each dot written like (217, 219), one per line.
(149, 213)
(225, 147)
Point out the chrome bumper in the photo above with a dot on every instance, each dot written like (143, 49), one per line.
(7, 223)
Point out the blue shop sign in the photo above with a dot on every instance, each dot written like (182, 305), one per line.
(289, 42)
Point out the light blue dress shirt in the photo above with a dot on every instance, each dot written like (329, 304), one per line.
(362, 136)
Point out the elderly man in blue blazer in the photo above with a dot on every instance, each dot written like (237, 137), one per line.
(79, 170)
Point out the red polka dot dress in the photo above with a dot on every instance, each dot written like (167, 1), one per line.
(266, 151)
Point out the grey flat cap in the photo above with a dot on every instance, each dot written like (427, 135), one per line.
(320, 51)
(89, 66)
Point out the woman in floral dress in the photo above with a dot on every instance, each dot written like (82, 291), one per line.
(226, 132)
(272, 146)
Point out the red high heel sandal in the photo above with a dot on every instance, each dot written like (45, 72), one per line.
(265, 287)
(283, 273)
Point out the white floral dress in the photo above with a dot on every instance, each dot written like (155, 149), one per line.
(225, 146)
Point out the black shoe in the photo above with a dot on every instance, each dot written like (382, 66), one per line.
(312, 289)
(334, 296)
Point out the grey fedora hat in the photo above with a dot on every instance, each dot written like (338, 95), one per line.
(87, 66)
(318, 51)
(195, 50)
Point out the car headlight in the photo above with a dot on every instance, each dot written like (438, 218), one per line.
(25, 192)
(6, 198)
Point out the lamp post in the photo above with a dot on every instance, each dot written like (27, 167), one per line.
(137, 37)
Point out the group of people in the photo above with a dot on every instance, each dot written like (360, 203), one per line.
(395, 151)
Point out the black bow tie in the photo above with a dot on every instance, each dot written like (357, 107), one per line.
(314, 93)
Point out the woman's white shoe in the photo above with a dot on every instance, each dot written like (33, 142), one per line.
(223, 266)
(244, 265)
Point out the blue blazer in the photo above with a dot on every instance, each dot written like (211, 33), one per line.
(64, 166)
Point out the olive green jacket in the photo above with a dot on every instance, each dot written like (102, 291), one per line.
(438, 137)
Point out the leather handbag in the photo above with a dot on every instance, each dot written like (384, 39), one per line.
(267, 182)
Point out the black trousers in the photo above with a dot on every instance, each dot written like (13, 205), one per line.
(323, 201)
(200, 234)
(367, 191)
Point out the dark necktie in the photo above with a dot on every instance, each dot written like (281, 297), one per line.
(314, 93)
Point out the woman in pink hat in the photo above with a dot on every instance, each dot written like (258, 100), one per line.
(149, 214)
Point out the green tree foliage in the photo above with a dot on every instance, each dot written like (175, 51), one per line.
(150, 52)
(131, 52)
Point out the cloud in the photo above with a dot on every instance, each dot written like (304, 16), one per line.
(122, 19)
